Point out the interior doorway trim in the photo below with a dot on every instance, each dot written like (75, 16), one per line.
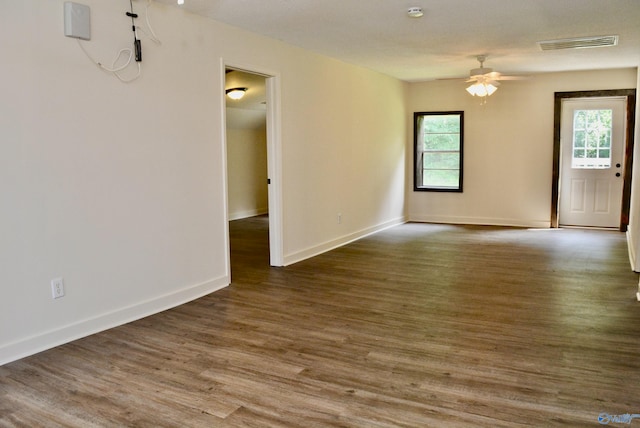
(274, 158)
(630, 94)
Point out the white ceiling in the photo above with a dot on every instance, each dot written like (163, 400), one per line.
(378, 34)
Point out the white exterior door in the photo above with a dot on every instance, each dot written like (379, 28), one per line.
(592, 161)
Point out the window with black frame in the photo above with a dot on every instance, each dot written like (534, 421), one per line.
(438, 151)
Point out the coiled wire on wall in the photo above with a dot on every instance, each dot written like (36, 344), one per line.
(117, 65)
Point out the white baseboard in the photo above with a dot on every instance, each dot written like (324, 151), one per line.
(480, 221)
(50, 339)
(631, 248)
(247, 213)
(339, 242)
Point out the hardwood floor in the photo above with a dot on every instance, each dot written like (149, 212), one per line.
(417, 326)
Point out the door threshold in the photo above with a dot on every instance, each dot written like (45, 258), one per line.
(565, 226)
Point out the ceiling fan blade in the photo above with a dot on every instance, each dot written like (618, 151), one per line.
(513, 77)
(451, 78)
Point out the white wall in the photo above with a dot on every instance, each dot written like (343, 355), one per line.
(508, 147)
(345, 154)
(247, 172)
(120, 188)
(633, 231)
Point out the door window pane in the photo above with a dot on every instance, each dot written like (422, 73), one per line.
(592, 130)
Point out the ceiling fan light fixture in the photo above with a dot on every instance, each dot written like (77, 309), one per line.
(415, 12)
(481, 89)
(236, 93)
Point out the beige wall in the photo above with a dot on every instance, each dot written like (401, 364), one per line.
(508, 144)
(345, 153)
(121, 189)
(247, 172)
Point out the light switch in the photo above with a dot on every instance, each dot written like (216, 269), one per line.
(77, 20)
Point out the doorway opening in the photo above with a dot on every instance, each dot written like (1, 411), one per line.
(246, 122)
(592, 158)
(251, 135)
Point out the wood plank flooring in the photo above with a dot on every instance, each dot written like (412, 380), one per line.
(417, 326)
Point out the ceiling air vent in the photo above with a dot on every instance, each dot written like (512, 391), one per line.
(578, 43)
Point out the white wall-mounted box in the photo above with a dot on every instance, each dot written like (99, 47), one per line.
(77, 20)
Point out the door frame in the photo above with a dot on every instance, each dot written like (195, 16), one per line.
(274, 159)
(630, 94)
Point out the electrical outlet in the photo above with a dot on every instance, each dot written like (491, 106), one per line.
(339, 218)
(57, 288)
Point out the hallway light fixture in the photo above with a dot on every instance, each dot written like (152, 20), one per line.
(236, 93)
(415, 12)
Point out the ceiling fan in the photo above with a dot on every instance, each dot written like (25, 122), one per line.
(484, 81)
(486, 74)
